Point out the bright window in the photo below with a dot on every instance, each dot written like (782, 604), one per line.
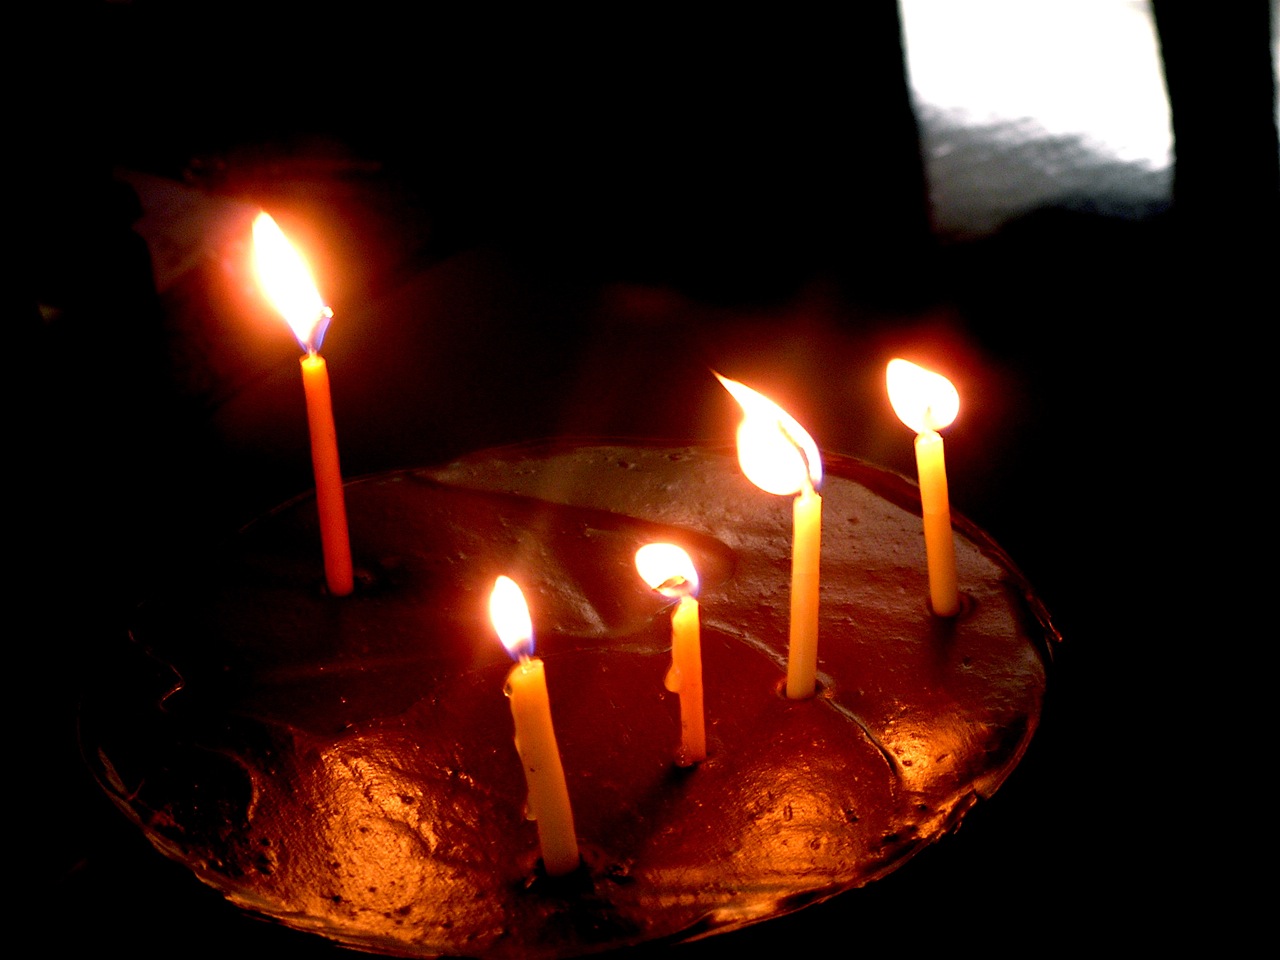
(1027, 103)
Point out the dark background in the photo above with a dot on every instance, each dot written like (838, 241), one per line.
(533, 226)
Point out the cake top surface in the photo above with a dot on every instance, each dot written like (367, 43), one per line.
(346, 765)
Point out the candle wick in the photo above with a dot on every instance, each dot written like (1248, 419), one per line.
(928, 420)
(675, 587)
(804, 457)
(318, 331)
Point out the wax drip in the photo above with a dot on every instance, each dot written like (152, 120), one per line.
(672, 679)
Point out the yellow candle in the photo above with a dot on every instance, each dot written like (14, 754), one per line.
(940, 551)
(535, 736)
(287, 282)
(926, 402)
(802, 654)
(667, 569)
(685, 679)
(779, 456)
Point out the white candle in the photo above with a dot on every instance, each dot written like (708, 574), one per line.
(535, 736)
(667, 569)
(926, 402)
(779, 456)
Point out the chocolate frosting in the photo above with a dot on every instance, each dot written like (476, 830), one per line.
(346, 766)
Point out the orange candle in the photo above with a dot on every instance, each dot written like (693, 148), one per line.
(535, 736)
(667, 569)
(330, 499)
(926, 401)
(286, 280)
(779, 456)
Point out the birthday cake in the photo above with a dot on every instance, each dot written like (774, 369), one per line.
(346, 765)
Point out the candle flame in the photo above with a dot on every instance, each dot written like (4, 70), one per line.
(510, 616)
(286, 281)
(923, 400)
(775, 452)
(667, 569)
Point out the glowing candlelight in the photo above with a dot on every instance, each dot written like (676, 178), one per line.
(779, 456)
(926, 402)
(535, 737)
(287, 283)
(668, 570)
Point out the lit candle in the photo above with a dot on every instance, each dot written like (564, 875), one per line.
(287, 283)
(779, 456)
(667, 569)
(926, 402)
(535, 737)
